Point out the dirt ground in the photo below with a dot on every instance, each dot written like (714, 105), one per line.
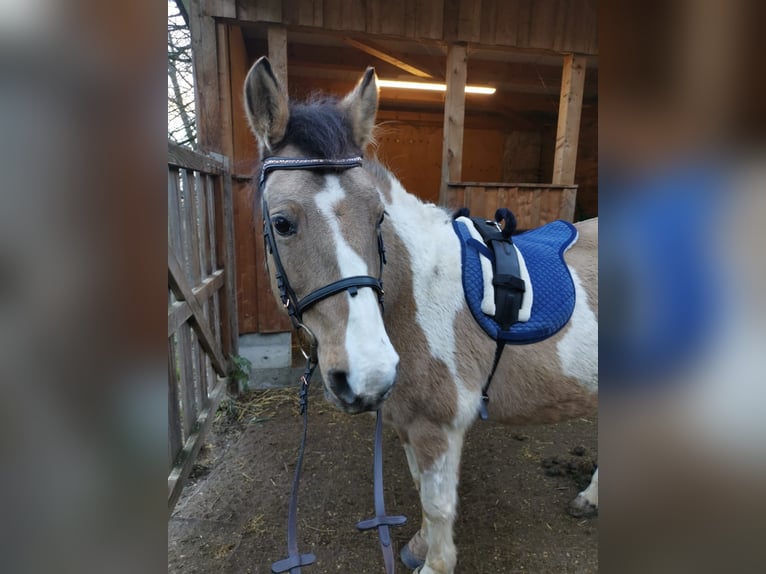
(514, 489)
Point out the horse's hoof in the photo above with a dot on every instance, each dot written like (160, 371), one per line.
(581, 507)
(409, 559)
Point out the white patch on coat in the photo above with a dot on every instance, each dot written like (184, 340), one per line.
(434, 251)
(578, 348)
(372, 360)
(438, 497)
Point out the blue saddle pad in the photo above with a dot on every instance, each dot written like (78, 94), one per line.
(554, 295)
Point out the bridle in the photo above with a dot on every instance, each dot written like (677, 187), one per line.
(295, 308)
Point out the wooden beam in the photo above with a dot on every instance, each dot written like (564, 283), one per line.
(454, 117)
(381, 55)
(180, 311)
(277, 39)
(183, 292)
(180, 156)
(206, 90)
(187, 456)
(570, 109)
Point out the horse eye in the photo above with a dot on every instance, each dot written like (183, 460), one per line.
(382, 217)
(282, 225)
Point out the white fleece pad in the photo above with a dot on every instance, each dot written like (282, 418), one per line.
(488, 300)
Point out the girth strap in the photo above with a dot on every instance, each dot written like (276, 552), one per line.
(483, 413)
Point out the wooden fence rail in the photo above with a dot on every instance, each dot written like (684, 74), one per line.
(202, 315)
(533, 204)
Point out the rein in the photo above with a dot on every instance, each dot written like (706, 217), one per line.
(295, 308)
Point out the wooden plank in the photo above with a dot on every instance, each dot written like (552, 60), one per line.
(191, 180)
(179, 156)
(206, 89)
(174, 213)
(506, 23)
(277, 41)
(210, 224)
(372, 50)
(180, 311)
(353, 15)
(454, 116)
(192, 446)
(567, 202)
(224, 88)
(469, 21)
(187, 225)
(219, 8)
(260, 11)
(297, 13)
(174, 414)
(489, 21)
(570, 109)
(184, 337)
(244, 159)
(450, 20)
(430, 19)
(183, 292)
(230, 333)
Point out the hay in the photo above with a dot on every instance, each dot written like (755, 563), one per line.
(254, 407)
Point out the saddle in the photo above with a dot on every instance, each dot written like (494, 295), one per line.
(528, 279)
(519, 289)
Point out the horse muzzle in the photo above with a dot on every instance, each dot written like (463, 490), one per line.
(340, 392)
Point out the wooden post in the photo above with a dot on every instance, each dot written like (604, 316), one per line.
(277, 39)
(204, 53)
(570, 108)
(454, 116)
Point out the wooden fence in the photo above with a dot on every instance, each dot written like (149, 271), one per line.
(202, 315)
(533, 204)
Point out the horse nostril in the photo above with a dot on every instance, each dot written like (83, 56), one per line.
(339, 384)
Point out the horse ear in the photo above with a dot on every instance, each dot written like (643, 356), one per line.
(266, 104)
(362, 105)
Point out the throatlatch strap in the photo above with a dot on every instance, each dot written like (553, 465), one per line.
(294, 559)
(381, 521)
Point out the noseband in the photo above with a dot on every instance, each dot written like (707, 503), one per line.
(294, 306)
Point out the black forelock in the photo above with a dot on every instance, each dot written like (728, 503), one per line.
(320, 129)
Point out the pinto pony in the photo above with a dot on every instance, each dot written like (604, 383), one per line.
(421, 357)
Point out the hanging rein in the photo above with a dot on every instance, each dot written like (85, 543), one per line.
(295, 308)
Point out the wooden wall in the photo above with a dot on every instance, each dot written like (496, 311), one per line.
(564, 26)
(413, 151)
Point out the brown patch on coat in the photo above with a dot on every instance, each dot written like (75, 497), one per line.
(530, 387)
(424, 399)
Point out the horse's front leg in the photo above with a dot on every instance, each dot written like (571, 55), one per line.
(438, 459)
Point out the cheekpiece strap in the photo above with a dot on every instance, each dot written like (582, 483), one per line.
(274, 163)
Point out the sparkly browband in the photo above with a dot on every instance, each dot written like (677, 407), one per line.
(275, 163)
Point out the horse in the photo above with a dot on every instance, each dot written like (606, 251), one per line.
(421, 357)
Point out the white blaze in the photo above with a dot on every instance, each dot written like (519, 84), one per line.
(372, 360)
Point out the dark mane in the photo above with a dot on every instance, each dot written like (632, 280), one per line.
(320, 129)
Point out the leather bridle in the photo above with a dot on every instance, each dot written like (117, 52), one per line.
(295, 306)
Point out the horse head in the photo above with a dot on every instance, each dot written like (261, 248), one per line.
(322, 222)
